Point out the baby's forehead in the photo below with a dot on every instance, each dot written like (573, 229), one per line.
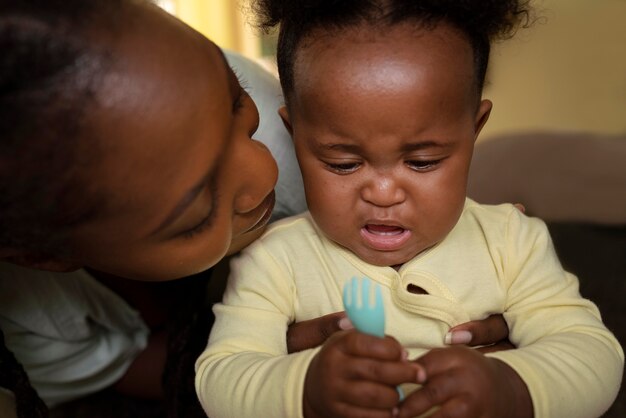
(391, 55)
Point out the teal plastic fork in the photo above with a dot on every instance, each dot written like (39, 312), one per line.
(367, 313)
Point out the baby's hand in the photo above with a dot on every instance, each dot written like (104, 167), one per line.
(462, 382)
(354, 375)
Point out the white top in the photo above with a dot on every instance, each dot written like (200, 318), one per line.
(73, 335)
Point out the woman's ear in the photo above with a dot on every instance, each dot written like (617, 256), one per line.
(284, 115)
(36, 261)
(484, 110)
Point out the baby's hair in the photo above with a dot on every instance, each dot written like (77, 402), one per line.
(481, 21)
(49, 73)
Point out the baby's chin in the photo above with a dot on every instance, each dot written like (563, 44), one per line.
(384, 258)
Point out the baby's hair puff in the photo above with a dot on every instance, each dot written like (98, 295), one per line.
(481, 21)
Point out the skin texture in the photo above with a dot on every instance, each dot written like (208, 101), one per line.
(384, 124)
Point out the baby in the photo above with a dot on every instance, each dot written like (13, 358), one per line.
(383, 101)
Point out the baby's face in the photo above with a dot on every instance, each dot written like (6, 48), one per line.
(384, 127)
(185, 182)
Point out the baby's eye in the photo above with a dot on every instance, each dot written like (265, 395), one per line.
(421, 165)
(343, 168)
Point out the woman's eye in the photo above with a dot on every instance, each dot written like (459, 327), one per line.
(343, 168)
(419, 165)
(199, 228)
(239, 100)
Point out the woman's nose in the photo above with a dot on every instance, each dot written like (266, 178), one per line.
(383, 191)
(258, 173)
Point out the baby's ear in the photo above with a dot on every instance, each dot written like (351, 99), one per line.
(484, 110)
(36, 261)
(284, 115)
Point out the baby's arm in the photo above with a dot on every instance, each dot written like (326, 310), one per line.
(570, 363)
(245, 370)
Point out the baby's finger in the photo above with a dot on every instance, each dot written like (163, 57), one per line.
(358, 344)
(371, 395)
(381, 372)
(435, 392)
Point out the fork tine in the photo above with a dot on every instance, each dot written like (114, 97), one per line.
(346, 293)
(354, 292)
(365, 293)
(378, 296)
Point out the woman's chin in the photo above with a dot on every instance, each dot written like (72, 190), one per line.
(243, 240)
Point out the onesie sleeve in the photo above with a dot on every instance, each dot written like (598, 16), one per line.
(245, 370)
(571, 363)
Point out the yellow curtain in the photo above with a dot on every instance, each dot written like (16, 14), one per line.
(222, 22)
(213, 18)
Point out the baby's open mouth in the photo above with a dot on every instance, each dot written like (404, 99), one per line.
(384, 229)
(385, 237)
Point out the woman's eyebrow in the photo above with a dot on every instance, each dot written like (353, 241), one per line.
(185, 202)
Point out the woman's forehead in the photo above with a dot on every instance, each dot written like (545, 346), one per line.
(156, 102)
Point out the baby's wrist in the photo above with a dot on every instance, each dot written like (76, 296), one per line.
(519, 404)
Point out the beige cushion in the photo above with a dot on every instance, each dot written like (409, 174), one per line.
(562, 177)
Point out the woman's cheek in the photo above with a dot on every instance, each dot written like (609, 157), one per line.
(242, 241)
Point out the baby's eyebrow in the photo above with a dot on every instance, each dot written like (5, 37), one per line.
(352, 148)
(420, 145)
(412, 146)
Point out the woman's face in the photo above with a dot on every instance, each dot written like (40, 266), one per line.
(184, 182)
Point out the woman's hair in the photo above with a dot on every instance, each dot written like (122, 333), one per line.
(482, 21)
(49, 74)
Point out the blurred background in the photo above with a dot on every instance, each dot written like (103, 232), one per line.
(567, 72)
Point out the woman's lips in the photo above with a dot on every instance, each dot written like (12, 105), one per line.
(385, 237)
(267, 205)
